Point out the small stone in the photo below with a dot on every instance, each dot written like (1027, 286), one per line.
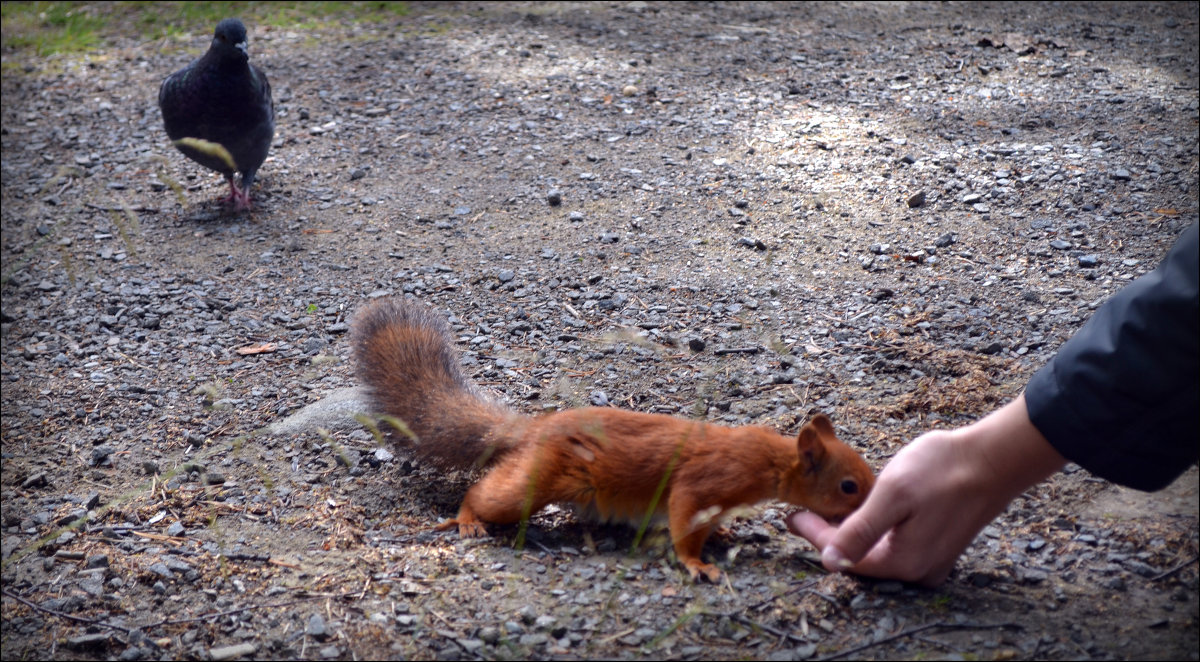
(161, 570)
(176, 530)
(230, 652)
(554, 197)
(629, 90)
(1088, 261)
(505, 275)
(100, 455)
(972, 198)
(916, 200)
(1060, 245)
(696, 344)
(575, 216)
(979, 579)
(889, 588)
(1121, 175)
(944, 240)
(36, 480)
(316, 627)
(90, 642)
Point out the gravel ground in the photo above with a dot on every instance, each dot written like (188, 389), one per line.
(892, 213)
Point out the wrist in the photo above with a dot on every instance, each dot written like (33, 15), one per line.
(1008, 453)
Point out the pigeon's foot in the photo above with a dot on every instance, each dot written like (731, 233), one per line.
(240, 199)
(241, 202)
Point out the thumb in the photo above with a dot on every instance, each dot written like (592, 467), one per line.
(862, 530)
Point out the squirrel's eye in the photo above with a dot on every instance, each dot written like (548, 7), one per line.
(849, 487)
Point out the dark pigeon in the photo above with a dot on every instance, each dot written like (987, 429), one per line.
(218, 110)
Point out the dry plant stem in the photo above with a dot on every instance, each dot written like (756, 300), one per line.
(919, 629)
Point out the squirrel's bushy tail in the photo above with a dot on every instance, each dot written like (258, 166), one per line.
(405, 358)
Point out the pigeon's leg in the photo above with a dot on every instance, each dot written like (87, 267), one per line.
(235, 194)
(242, 201)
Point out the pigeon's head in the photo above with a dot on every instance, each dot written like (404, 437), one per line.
(230, 38)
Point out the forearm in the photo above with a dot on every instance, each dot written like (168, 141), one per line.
(1007, 454)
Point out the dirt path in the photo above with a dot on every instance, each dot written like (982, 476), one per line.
(592, 191)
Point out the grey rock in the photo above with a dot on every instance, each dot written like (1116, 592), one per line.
(316, 627)
(230, 652)
(90, 642)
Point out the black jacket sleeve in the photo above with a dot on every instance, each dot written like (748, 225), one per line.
(1121, 398)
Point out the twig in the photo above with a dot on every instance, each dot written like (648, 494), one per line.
(151, 210)
(69, 617)
(1174, 570)
(766, 628)
(917, 630)
(795, 589)
(737, 350)
(239, 610)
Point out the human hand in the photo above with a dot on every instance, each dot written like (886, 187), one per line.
(934, 497)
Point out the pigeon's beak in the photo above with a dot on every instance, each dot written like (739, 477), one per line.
(243, 47)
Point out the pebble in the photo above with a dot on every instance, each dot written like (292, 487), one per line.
(161, 570)
(90, 642)
(554, 197)
(101, 455)
(230, 652)
(1088, 261)
(316, 627)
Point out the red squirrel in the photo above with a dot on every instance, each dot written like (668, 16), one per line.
(613, 463)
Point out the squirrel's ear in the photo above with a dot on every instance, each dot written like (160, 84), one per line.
(823, 425)
(811, 446)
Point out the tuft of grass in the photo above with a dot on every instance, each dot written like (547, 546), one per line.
(47, 28)
(51, 27)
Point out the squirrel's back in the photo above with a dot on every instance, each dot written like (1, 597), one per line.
(405, 358)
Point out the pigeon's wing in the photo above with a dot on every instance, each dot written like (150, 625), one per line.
(257, 129)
